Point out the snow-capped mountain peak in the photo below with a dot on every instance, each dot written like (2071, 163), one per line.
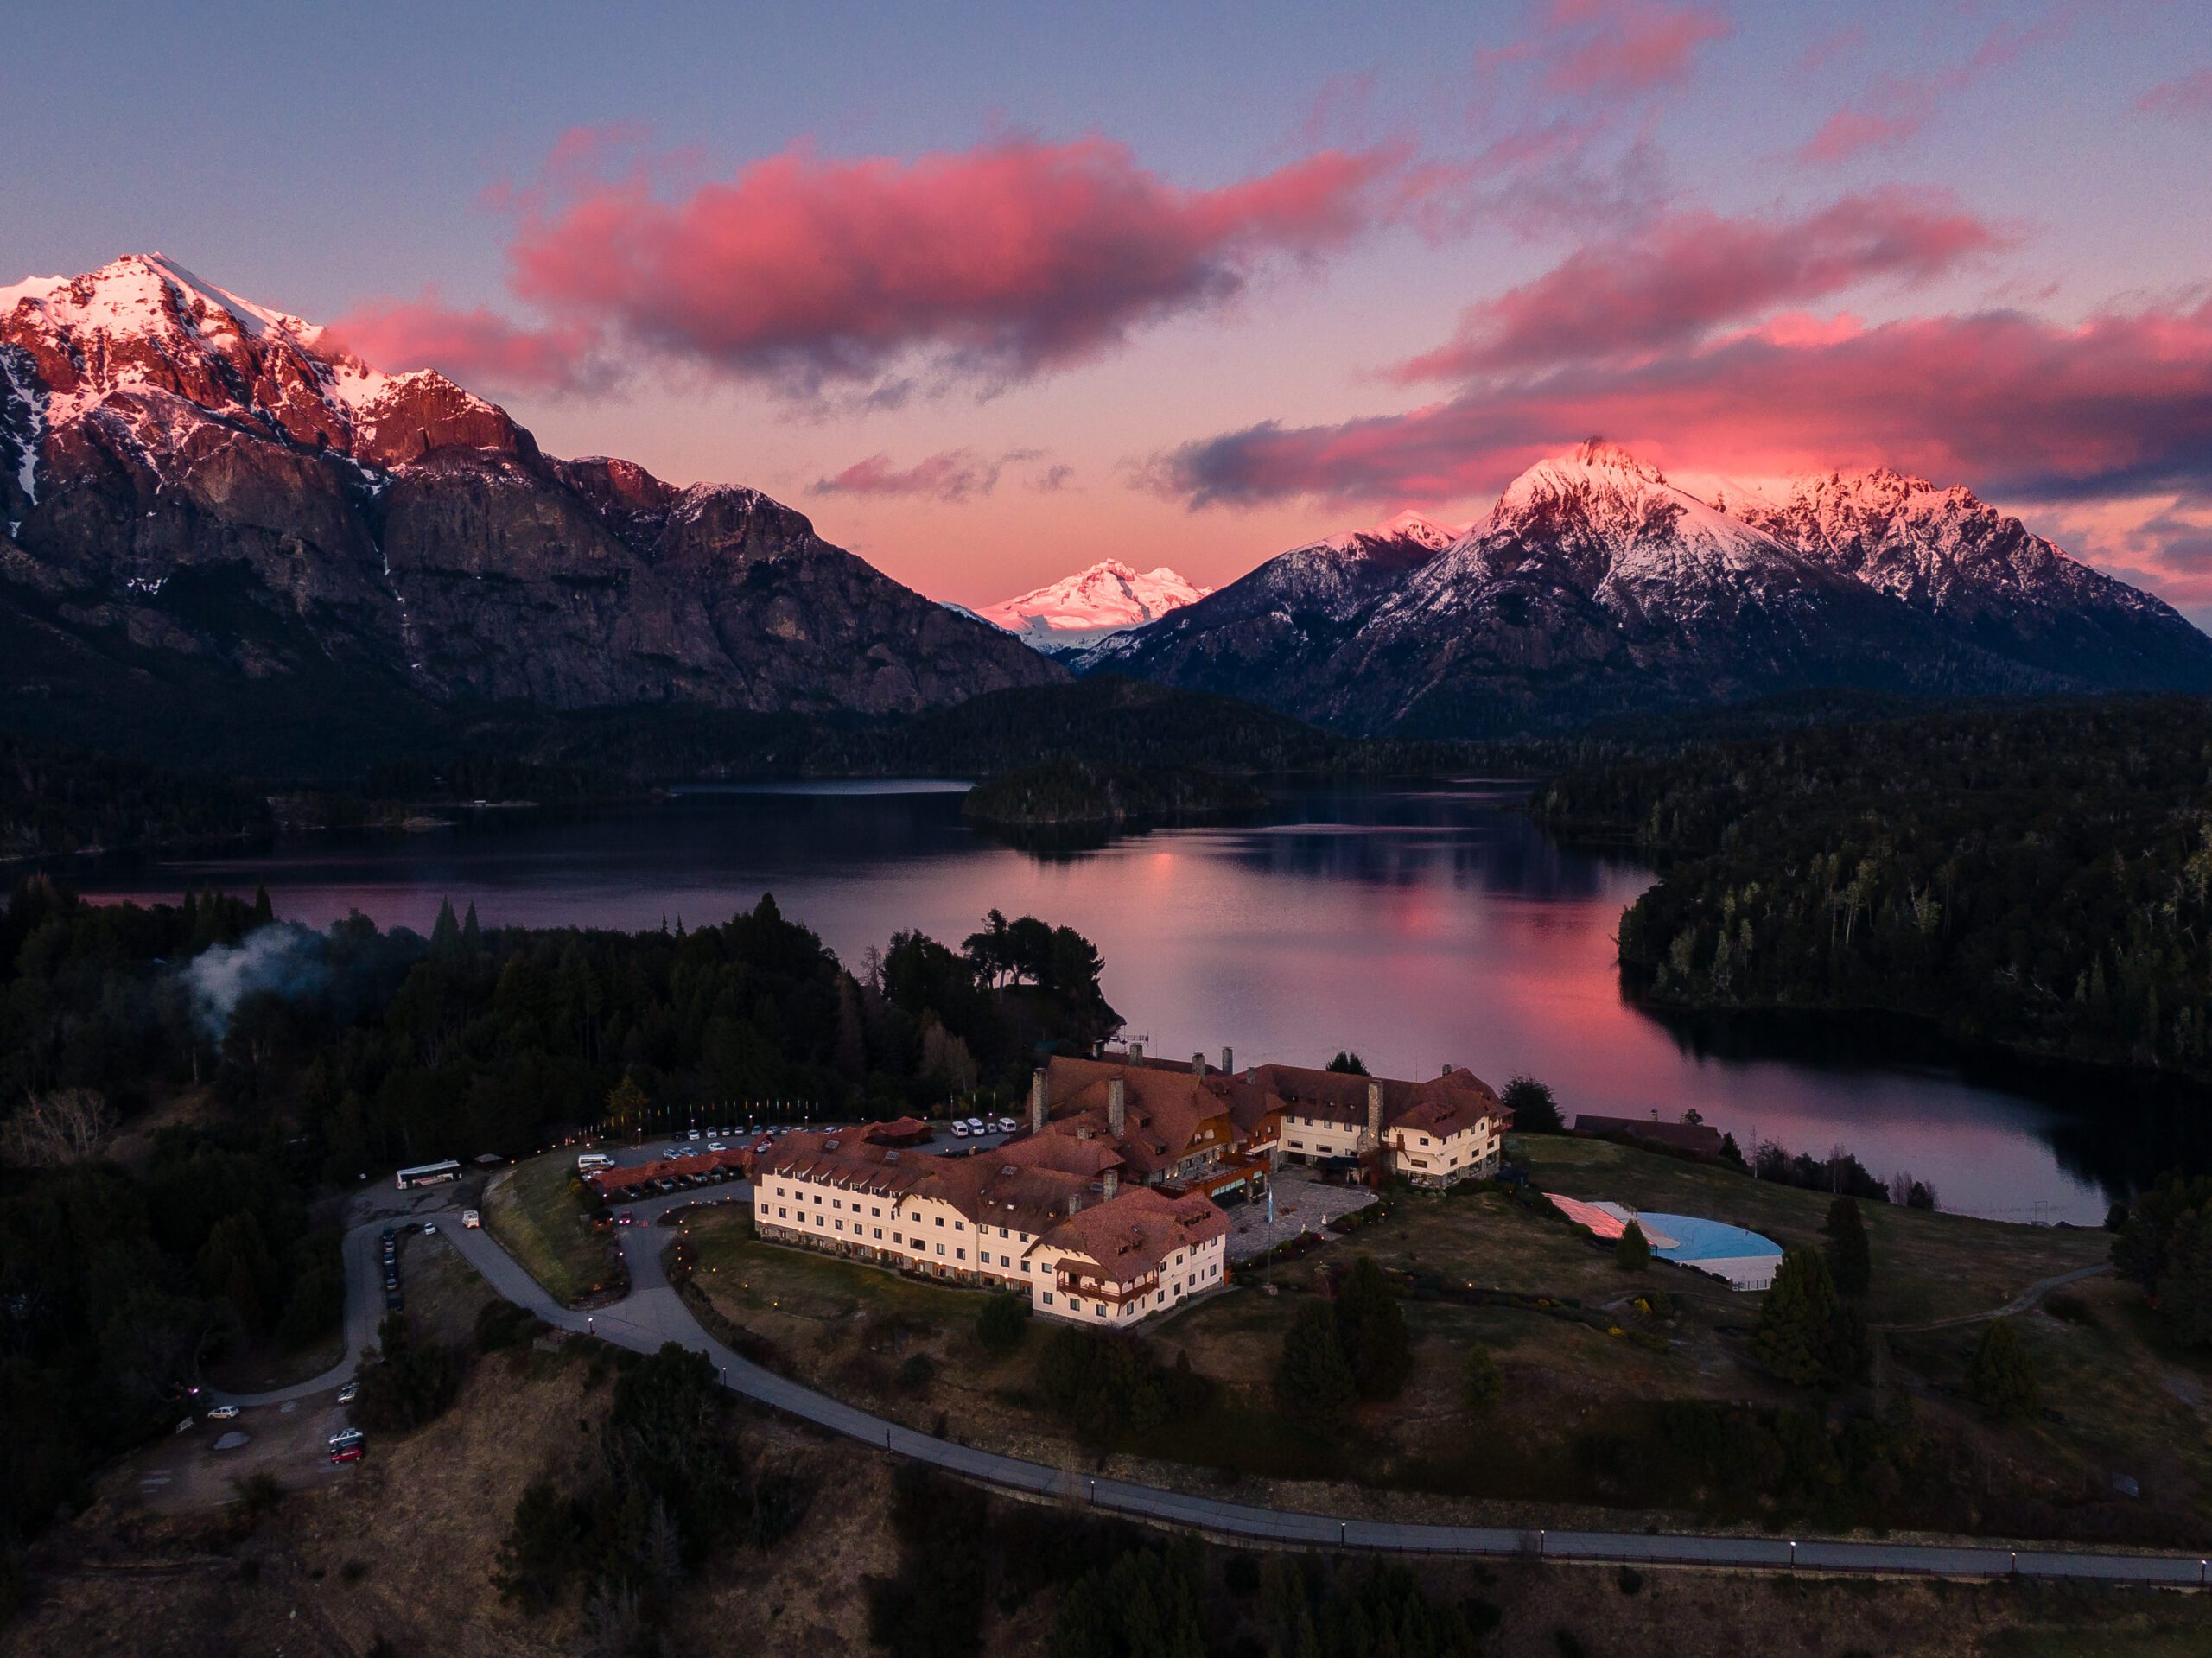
(1409, 525)
(1078, 611)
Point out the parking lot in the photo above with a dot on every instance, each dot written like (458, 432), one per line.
(652, 1148)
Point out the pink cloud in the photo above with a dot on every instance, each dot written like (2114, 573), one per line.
(994, 264)
(2187, 98)
(476, 347)
(1897, 107)
(1607, 47)
(997, 263)
(2119, 405)
(1692, 271)
(950, 475)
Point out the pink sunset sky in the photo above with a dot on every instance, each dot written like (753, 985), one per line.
(992, 295)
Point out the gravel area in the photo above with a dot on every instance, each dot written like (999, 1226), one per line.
(1303, 1204)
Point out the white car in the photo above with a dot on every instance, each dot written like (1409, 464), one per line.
(978, 1126)
(961, 1129)
(1008, 1125)
(349, 1392)
(223, 1413)
(429, 1226)
(471, 1219)
(716, 1145)
(694, 1134)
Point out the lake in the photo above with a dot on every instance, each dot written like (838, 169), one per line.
(1416, 926)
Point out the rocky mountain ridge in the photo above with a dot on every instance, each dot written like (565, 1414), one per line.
(202, 495)
(1596, 586)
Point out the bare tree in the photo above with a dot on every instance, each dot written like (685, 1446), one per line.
(69, 1124)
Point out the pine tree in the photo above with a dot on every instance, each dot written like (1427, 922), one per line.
(1632, 1253)
(1851, 1264)
(471, 934)
(2185, 1282)
(1796, 1330)
(1313, 1381)
(2000, 1379)
(445, 932)
(1534, 1111)
(1482, 1384)
(1371, 1329)
(263, 911)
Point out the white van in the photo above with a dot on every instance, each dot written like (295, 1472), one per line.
(591, 1162)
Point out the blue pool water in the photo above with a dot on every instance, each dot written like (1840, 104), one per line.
(1697, 1239)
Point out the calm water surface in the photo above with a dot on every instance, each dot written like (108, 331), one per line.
(1419, 927)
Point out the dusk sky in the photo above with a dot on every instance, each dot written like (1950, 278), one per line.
(994, 292)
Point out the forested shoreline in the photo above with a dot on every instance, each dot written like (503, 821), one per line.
(2037, 878)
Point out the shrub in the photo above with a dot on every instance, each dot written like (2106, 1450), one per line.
(1482, 1384)
(915, 1373)
(1632, 1254)
(1630, 1580)
(501, 1324)
(1001, 1323)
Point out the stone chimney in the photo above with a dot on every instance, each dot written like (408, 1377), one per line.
(1075, 1201)
(1117, 1105)
(1037, 1101)
(1251, 1074)
(1112, 1183)
(1375, 1114)
(1198, 1066)
(1136, 1053)
(1449, 1068)
(1228, 1061)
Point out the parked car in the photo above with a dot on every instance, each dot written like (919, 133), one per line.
(694, 1134)
(976, 1126)
(471, 1219)
(349, 1392)
(342, 1453)
(391, 1280)
(429, 1227)
(1008, 1125)
(223, 1413)
(390, 1237)
(671, 1152)
(393, 1302)
(716, 1145)
(961, 1129)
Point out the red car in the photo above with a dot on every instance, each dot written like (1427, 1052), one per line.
(347, 1453)
(624, 1218)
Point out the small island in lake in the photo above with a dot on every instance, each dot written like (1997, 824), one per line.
(1073, 798)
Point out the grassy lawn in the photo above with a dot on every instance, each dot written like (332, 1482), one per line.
(1926, 1265)
(1593, 1361)
(534, 1212)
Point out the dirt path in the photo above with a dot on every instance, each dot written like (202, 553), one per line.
(2020, 1303)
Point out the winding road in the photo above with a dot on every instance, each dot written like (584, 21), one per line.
(652, 1314)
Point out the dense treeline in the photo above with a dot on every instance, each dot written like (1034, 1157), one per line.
(54, 799)
(2037, 877)
(1073, 795)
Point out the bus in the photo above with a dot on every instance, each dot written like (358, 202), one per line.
(428, 1174)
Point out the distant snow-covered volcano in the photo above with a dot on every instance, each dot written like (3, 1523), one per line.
(1078, 611)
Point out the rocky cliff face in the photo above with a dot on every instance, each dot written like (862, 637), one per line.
(1595, 587)
(198, 493)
